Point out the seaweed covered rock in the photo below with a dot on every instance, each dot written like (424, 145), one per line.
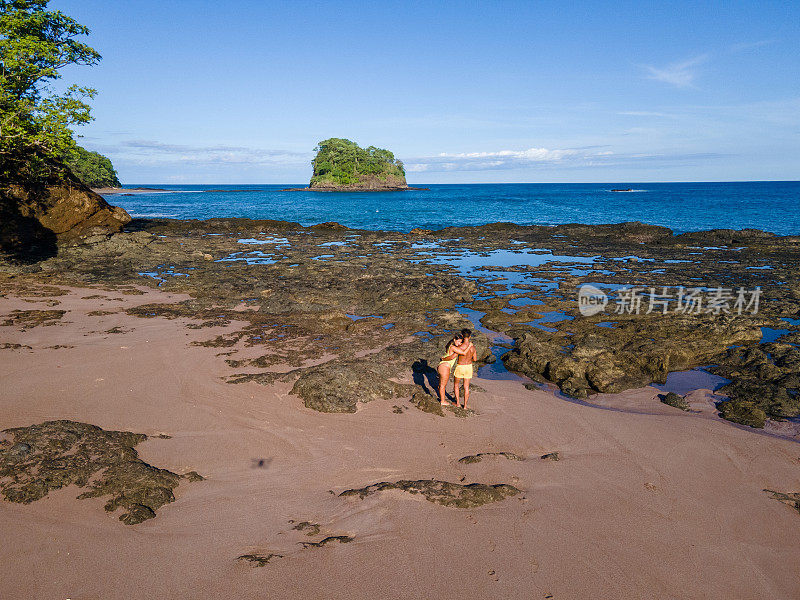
(427, 403)
(633, 354)
(743, 412)
(54, 454)
(257, 559)
(765, 383)
(338, 386)
(674, 400)
(28, 319)
(342, 539)
(455, 495)
(791, 499)
(476, 458)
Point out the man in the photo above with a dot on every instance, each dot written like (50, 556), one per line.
(463, 371)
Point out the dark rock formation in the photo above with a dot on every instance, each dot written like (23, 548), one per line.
(54, 454)
(674, 400)
(427, 403)
(35, 217)
(310, 529)
(765, 382)
(342, 539)
(28, 319)
(475, 458)
(338, 386)
(259, 560)
(445, 493)
(743, 412)
(642, 351)
(791, 499)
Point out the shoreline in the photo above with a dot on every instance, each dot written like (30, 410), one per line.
(355, 189)
(490, 227)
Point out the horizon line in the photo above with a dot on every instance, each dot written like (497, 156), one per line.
(502, 182)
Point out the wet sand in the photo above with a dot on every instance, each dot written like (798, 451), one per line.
(638, 506)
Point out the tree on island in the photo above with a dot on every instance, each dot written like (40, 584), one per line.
(340, 162)
(35, 120)
(92, 168)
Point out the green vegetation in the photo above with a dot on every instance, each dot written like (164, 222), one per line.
(340, 162)
(35, 120)
(92, 168)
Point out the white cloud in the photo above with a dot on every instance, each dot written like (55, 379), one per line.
(479, 161)
(680, 74)
(531, 154)
(154, 153)
(543, 158)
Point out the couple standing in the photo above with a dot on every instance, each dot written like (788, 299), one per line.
(460, 353)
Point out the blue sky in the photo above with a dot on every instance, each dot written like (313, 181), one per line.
(193, 91)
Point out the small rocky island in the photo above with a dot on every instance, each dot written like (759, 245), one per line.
(343, 166)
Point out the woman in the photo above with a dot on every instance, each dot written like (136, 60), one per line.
(448, 361)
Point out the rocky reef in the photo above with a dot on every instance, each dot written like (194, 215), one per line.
(40, 458)
(350, 316)
(764, 382)
(643, 350)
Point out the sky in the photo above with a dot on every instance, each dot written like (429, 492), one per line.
(234, 91)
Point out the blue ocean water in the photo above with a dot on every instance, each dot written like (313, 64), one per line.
(770, 206)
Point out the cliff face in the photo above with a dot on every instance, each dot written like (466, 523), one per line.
(365, 183)
(62, 210)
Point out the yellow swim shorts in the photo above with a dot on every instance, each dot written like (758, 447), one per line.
(463, 371)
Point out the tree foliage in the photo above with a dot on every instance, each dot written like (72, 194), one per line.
(35, 118)
(340, 161)
(92, 168)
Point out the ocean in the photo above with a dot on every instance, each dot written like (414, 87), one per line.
(770, 206)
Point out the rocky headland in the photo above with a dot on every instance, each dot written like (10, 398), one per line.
(35, 218)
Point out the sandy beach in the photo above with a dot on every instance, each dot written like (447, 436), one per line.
(230, 386)
(638, 505)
